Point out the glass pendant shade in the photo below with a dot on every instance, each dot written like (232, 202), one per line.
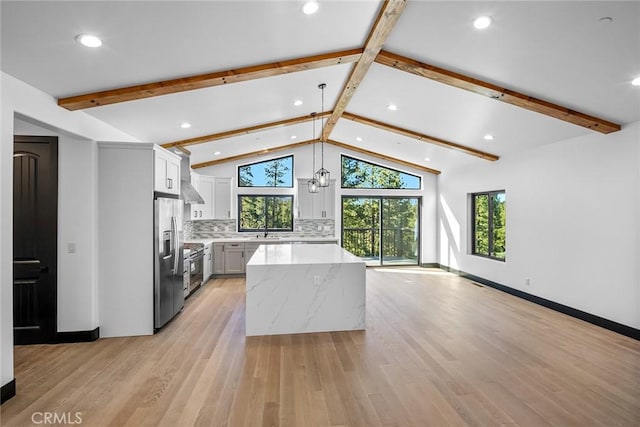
(323, 177)
(313, 185)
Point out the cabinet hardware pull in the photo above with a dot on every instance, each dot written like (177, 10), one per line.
(169, 183)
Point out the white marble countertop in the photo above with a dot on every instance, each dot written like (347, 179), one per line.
(252, 238)
(268, 254)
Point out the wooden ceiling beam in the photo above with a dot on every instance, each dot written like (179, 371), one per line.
(244, 131)
(252, 154)
(201, 81)
(383, 157)
(419, 136)
(388, 16)
(490, 90)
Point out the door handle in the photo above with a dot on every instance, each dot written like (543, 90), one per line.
(44, 269)
(174, 232)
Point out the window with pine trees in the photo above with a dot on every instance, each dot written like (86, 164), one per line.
(489, 224)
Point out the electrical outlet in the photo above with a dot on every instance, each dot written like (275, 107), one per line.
(527, 282)
(71, 248)
(316, 280)
(319, 228)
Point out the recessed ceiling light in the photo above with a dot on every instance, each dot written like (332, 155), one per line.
(217, 153)
(488, 137)
(392, 107)
(358, 139)
(88, 40)
(185, 125)
(293, 136)
(482, 22)
(297, 103)
(426, 159)
(636, 81)
(310, 7)
(605, 20)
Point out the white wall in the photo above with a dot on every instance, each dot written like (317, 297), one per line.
(573, 212)
(125, 239)
(18, 98)
(303, 169)
(77, 279)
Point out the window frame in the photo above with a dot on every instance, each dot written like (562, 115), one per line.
(342, 156)
(490, 225)
(267, 229)
(266, 161)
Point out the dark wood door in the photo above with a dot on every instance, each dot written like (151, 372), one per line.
(35, 208)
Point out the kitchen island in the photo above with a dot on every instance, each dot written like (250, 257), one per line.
(304, 288)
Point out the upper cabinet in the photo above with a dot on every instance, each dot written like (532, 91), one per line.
(216, 193)
(320, 205)
(222, 206)
(204, 185)
(166, 168)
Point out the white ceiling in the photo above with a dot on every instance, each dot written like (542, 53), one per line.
(556, 51)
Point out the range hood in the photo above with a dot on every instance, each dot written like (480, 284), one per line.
(188, 193)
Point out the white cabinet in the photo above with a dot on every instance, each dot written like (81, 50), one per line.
(234, 258)
(222, 206)
(207, 262)
(205, 185)
(228, 258)
(216, 192)
(320, 205)
(218, 258)
(166, 167)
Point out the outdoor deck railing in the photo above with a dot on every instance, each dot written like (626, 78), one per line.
(364, 242)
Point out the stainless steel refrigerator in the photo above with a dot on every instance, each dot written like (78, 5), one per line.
(168, 290)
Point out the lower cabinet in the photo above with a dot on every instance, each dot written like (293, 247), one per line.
(228, 258)
(234, 258)
(207, 263)
(218, 258)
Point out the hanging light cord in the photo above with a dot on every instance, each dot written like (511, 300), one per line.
(322, 130)
(313, 117)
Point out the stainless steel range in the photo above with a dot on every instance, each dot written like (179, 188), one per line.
(185, 271)
(195, 262)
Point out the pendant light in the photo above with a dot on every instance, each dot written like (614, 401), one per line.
(313, 182)
(322, 175)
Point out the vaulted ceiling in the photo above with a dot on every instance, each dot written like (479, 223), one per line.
(542, 73)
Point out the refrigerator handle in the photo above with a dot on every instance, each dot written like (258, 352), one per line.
(176, 243)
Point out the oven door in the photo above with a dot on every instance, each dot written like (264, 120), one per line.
(195, 272)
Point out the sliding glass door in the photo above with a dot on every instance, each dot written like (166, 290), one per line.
(382, 230)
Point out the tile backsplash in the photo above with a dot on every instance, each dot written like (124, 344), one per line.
(226, 228)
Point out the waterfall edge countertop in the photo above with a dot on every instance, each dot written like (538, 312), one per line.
(292, 289)
(269, 254)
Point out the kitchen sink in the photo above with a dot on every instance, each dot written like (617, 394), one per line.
(265, 238)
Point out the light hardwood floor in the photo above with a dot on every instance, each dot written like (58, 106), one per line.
(437, 351)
